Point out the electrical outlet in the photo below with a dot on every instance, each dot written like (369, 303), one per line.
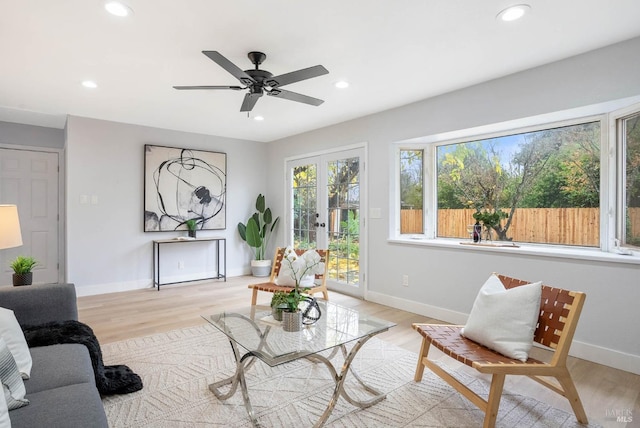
(405, 280)
(180, 264)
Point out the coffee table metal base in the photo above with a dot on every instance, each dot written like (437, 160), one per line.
(243, 362)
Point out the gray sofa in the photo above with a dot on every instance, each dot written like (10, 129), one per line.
(62, 390)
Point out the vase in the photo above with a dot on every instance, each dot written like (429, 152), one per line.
(22, 278)
(292, 321)
(192, 233)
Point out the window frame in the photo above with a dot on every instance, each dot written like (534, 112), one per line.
(617, 158)
(611, 173)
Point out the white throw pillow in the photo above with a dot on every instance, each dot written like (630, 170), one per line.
(505, 319)
(12, 334)
(5, 422)
(12, 383)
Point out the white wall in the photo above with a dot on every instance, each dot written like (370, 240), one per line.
(444, 281)
(107, 249)
(30, 135)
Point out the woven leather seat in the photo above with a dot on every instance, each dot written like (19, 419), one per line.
(559, 313)
(271, 286)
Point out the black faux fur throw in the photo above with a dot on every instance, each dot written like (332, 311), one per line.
(110, 380)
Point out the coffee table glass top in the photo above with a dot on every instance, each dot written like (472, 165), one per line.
(255, 330)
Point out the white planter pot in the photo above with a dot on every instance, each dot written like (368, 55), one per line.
(261, 267)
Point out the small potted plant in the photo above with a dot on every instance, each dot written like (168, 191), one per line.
(279, 302)
(490, 220)
(256, 234)
(191, 227)
(298, 267)
(22, 267)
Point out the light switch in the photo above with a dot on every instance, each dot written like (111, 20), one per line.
(94, 199)
(84, 199)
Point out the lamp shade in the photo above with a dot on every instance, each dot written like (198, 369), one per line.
(10, 235)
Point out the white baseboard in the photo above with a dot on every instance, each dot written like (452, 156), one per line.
(117, 287)
(586, 351)
(436, 312)
(606, 357)
(114, 287)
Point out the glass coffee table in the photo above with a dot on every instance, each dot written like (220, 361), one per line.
(255, 335)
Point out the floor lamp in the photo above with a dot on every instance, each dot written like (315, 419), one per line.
(10, 235)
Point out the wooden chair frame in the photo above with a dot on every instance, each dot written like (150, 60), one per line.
(559, 313)
(271, 286)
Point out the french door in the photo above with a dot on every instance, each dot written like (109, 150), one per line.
(325, 204)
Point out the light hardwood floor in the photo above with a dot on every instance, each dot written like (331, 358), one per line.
(125, 315)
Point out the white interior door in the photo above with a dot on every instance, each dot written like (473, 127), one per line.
(29, 179)
(325, 206)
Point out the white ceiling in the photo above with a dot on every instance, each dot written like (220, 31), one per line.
(392, 53)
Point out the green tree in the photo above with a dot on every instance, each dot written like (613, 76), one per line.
(632, 176)
(411, 180)
(554, 167)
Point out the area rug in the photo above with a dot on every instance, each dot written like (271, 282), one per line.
(177, 367)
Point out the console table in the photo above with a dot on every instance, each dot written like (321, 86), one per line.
(221, 274)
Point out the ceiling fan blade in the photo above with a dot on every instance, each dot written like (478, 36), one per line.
(294, 96)
(250, 101)
(296, 76)
(235, 88)
(223, 62)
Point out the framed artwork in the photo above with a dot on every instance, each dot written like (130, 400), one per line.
(183, 184)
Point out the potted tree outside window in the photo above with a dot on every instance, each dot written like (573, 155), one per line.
(256, 234)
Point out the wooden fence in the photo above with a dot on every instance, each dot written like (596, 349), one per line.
(568, 226)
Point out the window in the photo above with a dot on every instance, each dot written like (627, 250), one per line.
(630, 149)
(572, 183)
(541, 186)
(411, 197)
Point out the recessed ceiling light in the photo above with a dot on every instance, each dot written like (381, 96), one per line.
(342, 84)
(258, 118)
(117, 8)
(89, 84)
(513, 12)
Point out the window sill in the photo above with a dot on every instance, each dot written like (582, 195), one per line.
(559, 251)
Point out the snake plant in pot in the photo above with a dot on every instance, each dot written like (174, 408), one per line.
(256, 234)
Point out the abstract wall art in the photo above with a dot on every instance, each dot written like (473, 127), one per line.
(182, 184)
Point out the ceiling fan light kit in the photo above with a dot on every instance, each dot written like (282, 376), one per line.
(260, 81)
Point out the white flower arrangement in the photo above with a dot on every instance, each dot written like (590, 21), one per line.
(302, 269)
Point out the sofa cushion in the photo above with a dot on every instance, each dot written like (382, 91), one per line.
(76, 405)
(12, 384)
(59, 365)
(4, 413)
(12, 334)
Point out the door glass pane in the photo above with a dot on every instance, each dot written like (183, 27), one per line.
(343, 226)
(304, 206)
(632, 178)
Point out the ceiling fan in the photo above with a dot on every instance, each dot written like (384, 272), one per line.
(260, 82)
